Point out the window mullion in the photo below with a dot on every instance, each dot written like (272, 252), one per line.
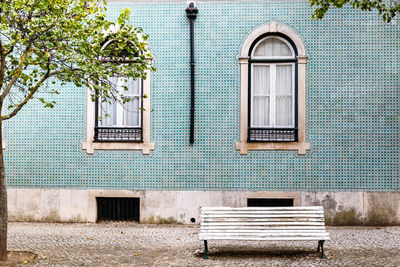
(120, 109)
(252, 96)
(140, 103)
(293, 96)
(272, 108)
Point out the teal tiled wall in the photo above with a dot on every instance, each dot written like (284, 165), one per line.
(352, 109)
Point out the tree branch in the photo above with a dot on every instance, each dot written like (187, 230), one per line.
(2, 67)
(16, 75)
(10, 50)
(28, 97)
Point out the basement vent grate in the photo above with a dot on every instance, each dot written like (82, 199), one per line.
(117, 209)
(270, 202)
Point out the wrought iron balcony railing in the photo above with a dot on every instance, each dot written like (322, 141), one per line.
(117, 134)
(272, 135)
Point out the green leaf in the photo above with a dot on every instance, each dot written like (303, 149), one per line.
(62, 41)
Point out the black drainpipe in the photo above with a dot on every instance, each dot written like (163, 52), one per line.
(191, 13)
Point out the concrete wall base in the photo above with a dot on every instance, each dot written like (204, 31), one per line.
(65, 205)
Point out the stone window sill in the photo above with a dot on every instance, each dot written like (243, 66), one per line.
(301, 147)
(91, 146)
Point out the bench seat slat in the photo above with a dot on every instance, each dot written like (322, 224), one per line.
(289, 238)
(261, 237)
(264, 235)
(262, 215)
(264, 223)
(262, 212)
(262, 231)
(283, 228)
(205, 220)
(264, 208)
(268, 219)
(268, 234)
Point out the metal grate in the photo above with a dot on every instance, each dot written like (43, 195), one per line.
(117, 209)
(272, 135)
(110, 134)
(270, 202)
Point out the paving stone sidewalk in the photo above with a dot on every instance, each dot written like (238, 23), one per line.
(129, 244)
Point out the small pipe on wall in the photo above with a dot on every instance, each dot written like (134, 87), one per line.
(191, 13)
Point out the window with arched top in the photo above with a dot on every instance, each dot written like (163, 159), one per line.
(272, 90)
(120, 121)
(272, 106)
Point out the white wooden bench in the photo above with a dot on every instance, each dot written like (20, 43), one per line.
(259, 223)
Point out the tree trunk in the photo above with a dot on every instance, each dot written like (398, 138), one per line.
(3, 202)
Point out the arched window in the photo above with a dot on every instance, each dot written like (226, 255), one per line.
(115, 124)
(273, 87)
(119, 119)
(272, 90)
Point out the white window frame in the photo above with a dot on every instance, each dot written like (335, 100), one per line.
(272, 95)
(120, 107)
(146, 145)
(301, 145)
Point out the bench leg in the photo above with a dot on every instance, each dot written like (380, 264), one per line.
(321, 245)
(205, 249)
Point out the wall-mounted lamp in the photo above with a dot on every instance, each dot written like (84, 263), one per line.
(191, 11)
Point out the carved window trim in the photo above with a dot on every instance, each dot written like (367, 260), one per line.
(300, 145)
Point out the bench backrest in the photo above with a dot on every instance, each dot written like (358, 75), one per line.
(290, 221)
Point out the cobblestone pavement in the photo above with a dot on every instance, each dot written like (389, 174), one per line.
(129, 244)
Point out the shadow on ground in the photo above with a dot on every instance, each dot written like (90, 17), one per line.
(258, 254)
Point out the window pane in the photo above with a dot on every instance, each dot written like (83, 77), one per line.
(284, 98)
(279, 48)
(260, 111)
(284, 111)
(133, 86)
(260, 50)
(261, 80)
(132, 112)
(284, 79)
(272, 47)
(108, 113)
(261, 91)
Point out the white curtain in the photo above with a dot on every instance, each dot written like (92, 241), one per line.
(272, 47)
(260, 50)
(131, 109)
(261, 96)
(113, 113)
(284, 95)
(108, 111)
